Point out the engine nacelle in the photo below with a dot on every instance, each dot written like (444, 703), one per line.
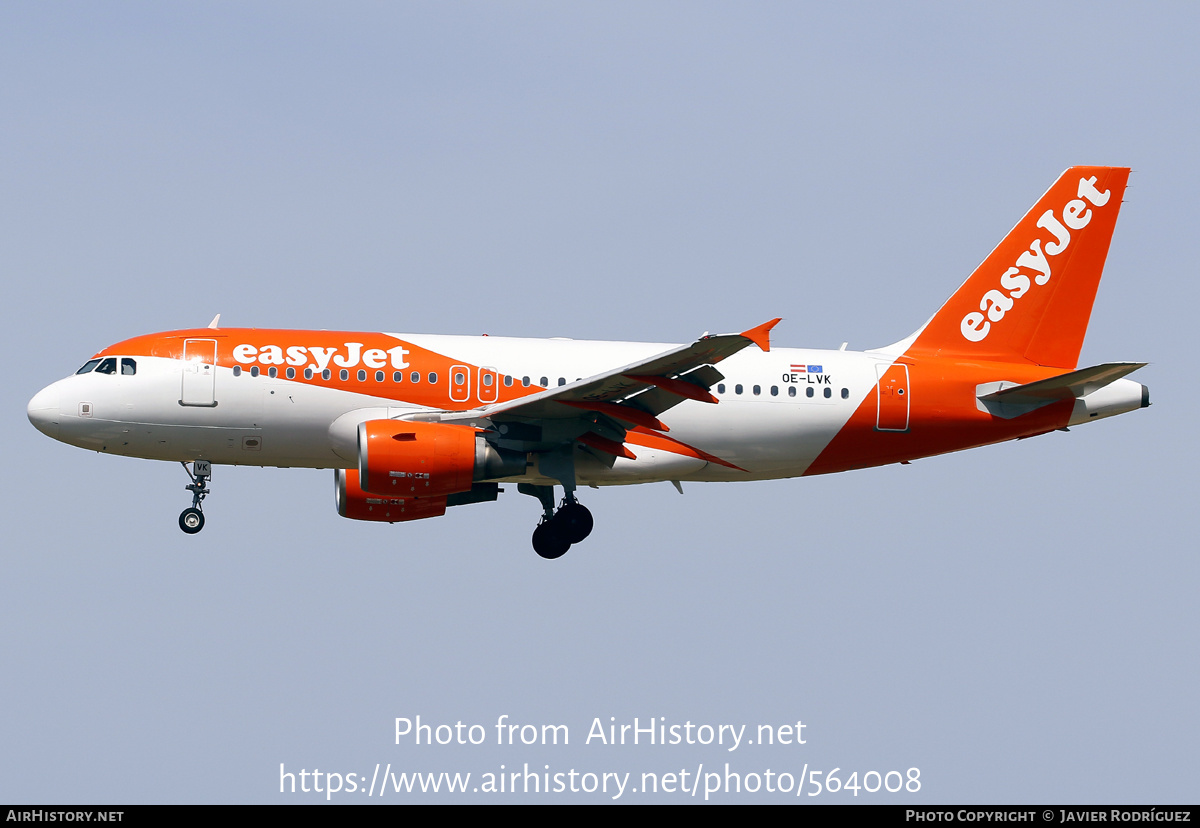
(353, 502)
(406, 459)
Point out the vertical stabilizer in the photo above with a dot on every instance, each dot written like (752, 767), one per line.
(1031, 299)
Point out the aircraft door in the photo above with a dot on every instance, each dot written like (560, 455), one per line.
(460, 383)
(199, 372)
(488, 388)
(893, 396)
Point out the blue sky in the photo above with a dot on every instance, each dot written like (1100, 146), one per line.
(1019, 622)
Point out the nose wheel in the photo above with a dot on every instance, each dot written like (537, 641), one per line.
(191, 520)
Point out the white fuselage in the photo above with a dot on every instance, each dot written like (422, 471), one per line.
(771, 421)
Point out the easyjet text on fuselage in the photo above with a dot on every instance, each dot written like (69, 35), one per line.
(320, 357)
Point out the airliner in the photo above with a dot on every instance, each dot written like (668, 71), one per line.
(413, 424)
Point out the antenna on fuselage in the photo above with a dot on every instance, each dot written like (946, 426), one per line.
(213, 324)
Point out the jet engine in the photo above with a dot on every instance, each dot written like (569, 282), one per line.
(354, 503)
(406, 459)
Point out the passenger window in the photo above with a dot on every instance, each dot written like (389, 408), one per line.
(415, 376)
(562, 380)
(721, 388)
(272, 372)
(757, 390)
(545, 383)
(362, 375)
(88, 366)
(525, 382)
(291, 373)
(254, 371)
(828, 393)
(379, 376)
(459, 378)
(398, 376)
(774, 390)
(326, 374)
(128, 367)
(107, 366)
(845, 393)
(237, 370)
(308, 374)
(343, 375)
(737, 389)
(507, 381)
(791, 390)
(432, 377)
(487, 380)
(808, 392)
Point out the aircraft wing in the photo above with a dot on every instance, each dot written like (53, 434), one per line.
(599, 410)
(652, 385)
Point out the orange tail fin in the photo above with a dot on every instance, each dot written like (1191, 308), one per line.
(1031, 299)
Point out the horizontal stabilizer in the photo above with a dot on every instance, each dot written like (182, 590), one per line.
(1008, 400)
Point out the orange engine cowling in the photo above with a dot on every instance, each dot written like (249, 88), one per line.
(412, 459)
(354, 503)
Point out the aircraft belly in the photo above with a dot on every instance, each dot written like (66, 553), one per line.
(238, 445)
(651, 465)
(765, 440)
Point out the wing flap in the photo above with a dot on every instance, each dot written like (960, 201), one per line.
(678, 387)
(625, 413)
(656, 400)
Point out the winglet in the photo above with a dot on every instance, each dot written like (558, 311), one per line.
(761, 336)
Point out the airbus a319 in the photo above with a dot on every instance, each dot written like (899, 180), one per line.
(413, 424)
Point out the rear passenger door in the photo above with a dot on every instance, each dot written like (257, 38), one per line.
(892, 394)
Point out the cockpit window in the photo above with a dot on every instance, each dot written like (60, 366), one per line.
(88, 366)
(128, 367)
(107, 366)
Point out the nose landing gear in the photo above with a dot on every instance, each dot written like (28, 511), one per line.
(192, 520)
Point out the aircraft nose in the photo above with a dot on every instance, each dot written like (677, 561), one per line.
(43, 411)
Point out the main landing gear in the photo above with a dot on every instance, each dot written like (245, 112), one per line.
(192, 520)
(558, 529)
